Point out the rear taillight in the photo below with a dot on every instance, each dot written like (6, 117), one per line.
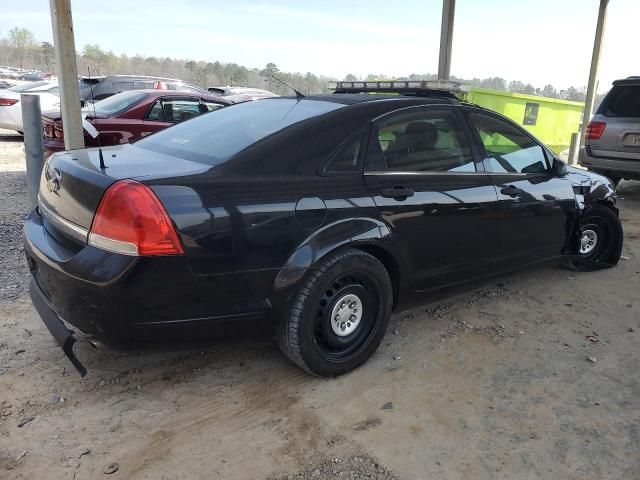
(595, 130)
(131, 220)
(57, 133)
(7, 102)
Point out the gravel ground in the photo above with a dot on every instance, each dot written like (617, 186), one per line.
(491, 384)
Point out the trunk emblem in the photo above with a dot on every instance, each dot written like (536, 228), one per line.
(53, 184)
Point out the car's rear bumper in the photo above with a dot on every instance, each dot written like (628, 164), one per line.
(608, 164)
(116, 298)
(56, 326)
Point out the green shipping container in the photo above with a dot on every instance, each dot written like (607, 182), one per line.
(550, 119)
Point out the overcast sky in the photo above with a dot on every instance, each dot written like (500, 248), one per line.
(536, 41)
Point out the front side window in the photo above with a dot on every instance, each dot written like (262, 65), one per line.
(423, 141)
(508, 149)
(176, 110)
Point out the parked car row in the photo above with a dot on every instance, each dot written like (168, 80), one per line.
(98, 88)
(129, 116)
(22, 74)
(11, 110)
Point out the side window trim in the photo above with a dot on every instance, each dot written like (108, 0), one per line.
(150, 108)
(483, 151)
(450, 109)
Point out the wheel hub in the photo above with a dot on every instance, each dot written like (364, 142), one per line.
(346, 315)
(588, 241)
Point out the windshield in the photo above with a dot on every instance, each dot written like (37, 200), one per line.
(215, 137)
(26, 86)
(116, 103)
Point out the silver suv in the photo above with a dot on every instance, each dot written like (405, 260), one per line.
(612, 141)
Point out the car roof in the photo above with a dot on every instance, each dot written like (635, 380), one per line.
(126, 77)
(634, 80)
(156, 92)
(359, 98)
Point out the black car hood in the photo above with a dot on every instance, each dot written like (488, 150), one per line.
(590, 187)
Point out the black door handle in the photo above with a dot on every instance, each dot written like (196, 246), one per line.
(511, 191)
(398, 192)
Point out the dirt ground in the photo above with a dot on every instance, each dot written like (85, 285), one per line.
(492, 384)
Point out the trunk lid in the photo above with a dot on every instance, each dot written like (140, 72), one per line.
(72, 183)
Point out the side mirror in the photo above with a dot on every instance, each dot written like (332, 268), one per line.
(559, 168)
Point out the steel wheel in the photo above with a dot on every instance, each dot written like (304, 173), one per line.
(600, 239)
(339, 313)
(344, 316)
(588, 241)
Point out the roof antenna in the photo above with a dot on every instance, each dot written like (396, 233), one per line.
(298, 94)
(93, 102)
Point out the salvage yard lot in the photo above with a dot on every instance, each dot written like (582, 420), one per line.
(491, 384)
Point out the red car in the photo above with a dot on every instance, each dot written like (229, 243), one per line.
(129, 116)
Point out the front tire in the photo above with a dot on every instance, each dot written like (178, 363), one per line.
(600, 239)
(339, 314)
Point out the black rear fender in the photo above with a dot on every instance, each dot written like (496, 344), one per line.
(364, 233)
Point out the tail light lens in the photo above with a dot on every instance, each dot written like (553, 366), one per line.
(57, 132)
(131, 220)
(7, 102)
(595, 130)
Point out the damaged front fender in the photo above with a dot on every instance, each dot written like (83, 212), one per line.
(591, 188)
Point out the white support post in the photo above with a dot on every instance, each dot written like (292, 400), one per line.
(62, 23)
(593, 72)
(446, 39)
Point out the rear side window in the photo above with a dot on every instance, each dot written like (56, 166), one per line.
(509, 149)
(118, 103)
(140, 85)
(347, 157)
(423, 141)
(122, 86)
(213, 139)
(211, 106)
(622, 101)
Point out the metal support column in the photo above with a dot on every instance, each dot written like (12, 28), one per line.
(446, 38)
(593, 72)
(67, 71)
(33, 148)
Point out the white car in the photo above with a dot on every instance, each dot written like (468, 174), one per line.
(11, 110)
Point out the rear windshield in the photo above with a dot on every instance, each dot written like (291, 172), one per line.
(27, 86)
(116, 103)
(217, 136)
(622, 101)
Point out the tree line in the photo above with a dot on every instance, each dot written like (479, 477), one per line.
(20, 48)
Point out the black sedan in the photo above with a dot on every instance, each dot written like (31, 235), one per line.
(323, 214)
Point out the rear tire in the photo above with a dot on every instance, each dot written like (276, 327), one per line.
(600, 239)
(339, 314)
